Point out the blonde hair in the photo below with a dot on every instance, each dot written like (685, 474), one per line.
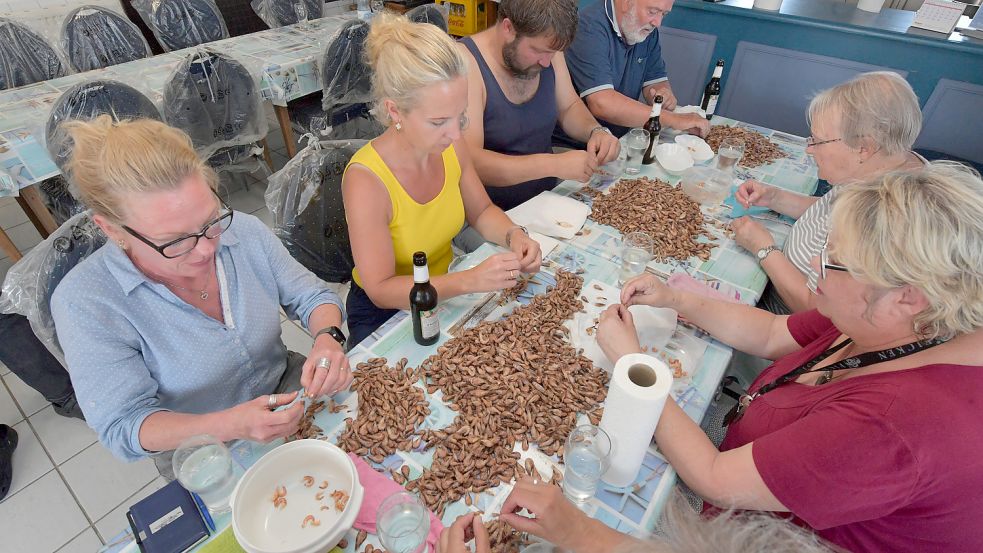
(406, 57)
(111, 161)
(880, 106)
(922, 228)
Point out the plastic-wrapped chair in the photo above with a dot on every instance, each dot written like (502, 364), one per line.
(26, 57)
(279, 13)
(95, 37)
(181, 24)
(305, 201)
(428, 13)
(31, 281)
(216, 100)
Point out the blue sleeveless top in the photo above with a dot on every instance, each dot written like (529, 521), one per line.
(517, 129)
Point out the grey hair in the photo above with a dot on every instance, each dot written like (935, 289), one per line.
(879, 106)
(686, 531)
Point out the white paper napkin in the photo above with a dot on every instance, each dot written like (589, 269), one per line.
(551, 214)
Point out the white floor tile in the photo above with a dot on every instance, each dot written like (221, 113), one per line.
(12, 215)
(30, 463)
(9, 413)
(43, 517)
(4, 369)
(115, 522)
(5, 264)
(86, 542)
(30, 400)
(250, 200)
(264, 215)
(295, 338)
(24, 236)
(63, 437)
(101, 481)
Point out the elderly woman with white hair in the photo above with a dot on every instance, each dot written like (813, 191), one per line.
(861, 129)
(866, 427)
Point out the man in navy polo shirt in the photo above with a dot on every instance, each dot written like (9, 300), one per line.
(615, 59)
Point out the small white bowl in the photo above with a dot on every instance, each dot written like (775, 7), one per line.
(260, 527)
(698, 148)
(673, 158)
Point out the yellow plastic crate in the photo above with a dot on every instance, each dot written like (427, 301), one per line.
(467, 17)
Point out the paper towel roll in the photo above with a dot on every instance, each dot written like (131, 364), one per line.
(639, 387)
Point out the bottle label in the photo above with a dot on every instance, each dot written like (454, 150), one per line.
(717, 71)
(656, 110)
(712, 105)
(421, 274)
(429, 323)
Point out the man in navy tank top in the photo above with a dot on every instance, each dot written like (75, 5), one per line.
(519, 89)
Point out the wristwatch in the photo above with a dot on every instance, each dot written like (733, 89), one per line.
(335, 333)
(763, 252)
(598, 128)
(508, 235)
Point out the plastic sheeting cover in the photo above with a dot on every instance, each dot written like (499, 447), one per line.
(216, 100)
(345, 75)
(26, 57)
(428, 13)
(31, 281)
(181, 24)
(305, 201)
(95, 37)
(278, 13)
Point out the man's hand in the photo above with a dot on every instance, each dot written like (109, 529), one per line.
(692, 123)
(604, 146)
(662, 89)
(578, 165)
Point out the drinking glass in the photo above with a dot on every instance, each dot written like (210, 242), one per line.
(585, 456)
(403, 523)
(636, 252)
(203, 465)
(729, 154)
(635, 142)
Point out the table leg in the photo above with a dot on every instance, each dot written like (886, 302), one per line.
(266, 155)
(283, 117)
(8, 247)
(32, 204)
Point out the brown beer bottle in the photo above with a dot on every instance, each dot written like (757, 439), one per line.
(654, 127)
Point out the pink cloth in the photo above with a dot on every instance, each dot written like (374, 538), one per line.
(376, 489)
(881, 462)
(686, 283)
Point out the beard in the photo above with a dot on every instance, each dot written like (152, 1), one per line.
(632, 29)
(510, 55)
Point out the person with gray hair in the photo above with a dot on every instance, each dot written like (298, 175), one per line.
(860, 129)
(866, 427)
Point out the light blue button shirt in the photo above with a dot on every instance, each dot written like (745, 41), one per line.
(134, 348)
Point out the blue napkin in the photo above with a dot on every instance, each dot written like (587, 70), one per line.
(738, 210)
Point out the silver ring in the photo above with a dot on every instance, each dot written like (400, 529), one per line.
(324, 363)
(271, 402)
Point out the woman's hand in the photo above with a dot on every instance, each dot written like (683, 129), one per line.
(255, 420)
(616, 333)
(528, 251)
(498, 272)
(751, 235)
(553, 517)
(320, 381)
(647, 290)
(752, 192)
(464, 529)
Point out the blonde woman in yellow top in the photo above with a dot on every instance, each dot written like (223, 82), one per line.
(413, 188)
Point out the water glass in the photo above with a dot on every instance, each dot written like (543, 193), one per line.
(729, 154)
(635, 142)
(636, 252)
(203, 465)
(403, 524)
(586, 457)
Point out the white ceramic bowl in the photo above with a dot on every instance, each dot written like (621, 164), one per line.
(259, 527)
(697, 147)
(673, 158)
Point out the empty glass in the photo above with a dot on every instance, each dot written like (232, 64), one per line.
(204, 466)
(403, 523)
(636, 252)
(585, 456)
(635, 142)
(729, 154)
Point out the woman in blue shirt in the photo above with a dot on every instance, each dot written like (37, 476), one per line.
(172, 328)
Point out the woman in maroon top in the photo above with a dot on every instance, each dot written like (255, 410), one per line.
(867, 428)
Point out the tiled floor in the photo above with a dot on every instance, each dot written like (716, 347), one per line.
(69, 494)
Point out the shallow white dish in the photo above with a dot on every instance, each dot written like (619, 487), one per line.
(698, 148)
(260, 527)
(673, 158)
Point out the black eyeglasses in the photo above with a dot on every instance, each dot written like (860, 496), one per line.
(812, 142)
(183, 245)
(825, 264)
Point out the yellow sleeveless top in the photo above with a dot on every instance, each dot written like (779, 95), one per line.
(417, 227)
